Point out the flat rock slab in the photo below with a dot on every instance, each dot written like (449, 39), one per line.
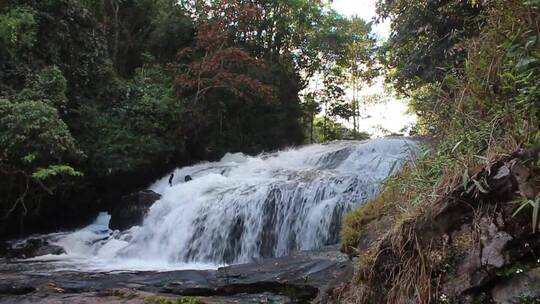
(303, 277)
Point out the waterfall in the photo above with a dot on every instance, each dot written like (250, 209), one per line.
(243, 208)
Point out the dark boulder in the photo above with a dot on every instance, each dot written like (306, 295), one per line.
(132, 209)
(30, 248)
(6, 288)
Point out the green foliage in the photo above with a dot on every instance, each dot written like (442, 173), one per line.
(474, 84)
(327, 129)
(89, 90)
(48, 86)
(35, 149)
(355, 222)
(487, 103)
(54, 170)
(425, 44)
(67, 37)
(528, 300)
(135, 28)
(535, 204)
(172, 29)
(164, 300)
(490, 108)
(346, 61)
(32, 134)
(17, 30)
(141, 129)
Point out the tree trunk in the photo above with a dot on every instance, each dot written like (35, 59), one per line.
(354, 105)
(115, 5)
(312, 119)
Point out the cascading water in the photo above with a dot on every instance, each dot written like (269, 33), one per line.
(243, 208)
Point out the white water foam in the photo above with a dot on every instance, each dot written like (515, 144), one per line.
(242, 208)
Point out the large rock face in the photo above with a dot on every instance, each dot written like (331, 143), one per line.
(470, 241)
(303, 277)
(132, 209)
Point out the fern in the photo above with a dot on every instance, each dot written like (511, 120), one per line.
(54, 170)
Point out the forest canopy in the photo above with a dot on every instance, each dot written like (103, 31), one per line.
(102, 96)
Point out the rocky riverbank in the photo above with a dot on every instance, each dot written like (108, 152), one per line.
(477, 243)
(303, 277)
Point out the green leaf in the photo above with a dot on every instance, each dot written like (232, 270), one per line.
(525, 63)
(509, 76)
(479, 186)
(53, 170)
(536, 208)
(29, 158)
(456, 146)
(531, 42)
(523, 205)
(535, 3)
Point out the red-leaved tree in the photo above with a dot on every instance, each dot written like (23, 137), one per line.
(214, 63)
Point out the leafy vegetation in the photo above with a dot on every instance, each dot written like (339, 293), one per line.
(471, 73)
(489, 108)
(99, 97)
(17, 30)
(535, 204)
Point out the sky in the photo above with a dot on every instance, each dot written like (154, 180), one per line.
(365, 9)
(391, 115)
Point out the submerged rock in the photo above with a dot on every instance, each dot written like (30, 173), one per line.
(132, 209)
(30, 248)
(6, 288)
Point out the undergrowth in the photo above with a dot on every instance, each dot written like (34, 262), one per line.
(492, 110)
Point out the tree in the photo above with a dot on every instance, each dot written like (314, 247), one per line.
(35, 145)
(49, 85)
(140, 131)
(123, 90)
(346, 61)
(65, 112)
(17, 30)
(37, 149)
(332, 97)
(214, 64)
(232, 90)
(360, 62)
(138, 27)
(425, 41)
(311, 107)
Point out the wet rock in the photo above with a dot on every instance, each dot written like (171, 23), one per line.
(137, 297)
(468, 275)
(7, 288)
(132, 209)
(518, 288)
(30, 248)
(269, 236)
(494, 247)
(302, 277)
(234, 240)
(475, 227)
